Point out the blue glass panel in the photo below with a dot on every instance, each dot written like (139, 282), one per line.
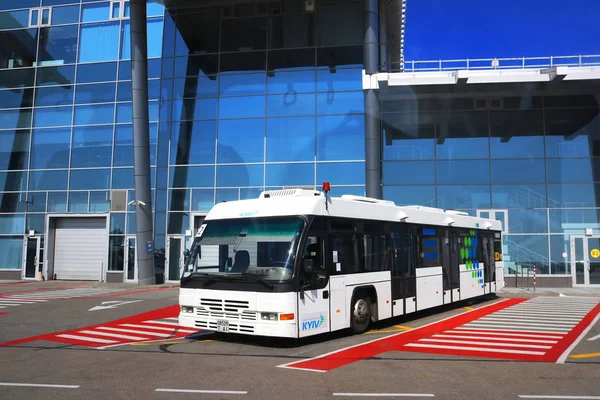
(14, 19)
(155, 34)
(205, 87)
(341, 173)
(122, 178)
(99, 42)
(340, 103)
(408, 173)
(90, 179)
(458, 197)
(117, 223)
(65, 15)
(573, 195)
(98, 72)
(13, 181)
(96, 114)
(154, 68)
(154, 9)
(50, 148)
(124, 112)
(291, 139)
(48, 180)
(14, 149)
(179, 200)
(340, 138)
(242, 107)
(124, 91)
(235, 85)
(54, 96)
(290, 175)
(12, 248)
(123, 153)
(184, 177)
(193, 142)
(463, 148)
(131, 229)
(203, 199)
(224, 195)
(15, 119)
(517, 133)
(290, 104)
(286, 82)
(154, 89)
(60, 2)
(573, 170)
(250, 193)
(53, 116)
(78, 202)
(518, 196)
(36, 223)
(92, 146)
(463, 172)
(529, 250)
(240, 175)
(189, 109)
(13, 4)
(98, 93)
(12, 224)
(342, 79)
(99, 202)
(410, 195)
(125, 45)
(153, 111)
(241, 141)
(57, 201)
(95, 12)
(518, 147)
(572, 132)
(527, 221)
(64, 75)
(60, 47)
(408, 136)
(337, 191)
(518, 171)
(574, 220)
(560, 254)
(38, 202)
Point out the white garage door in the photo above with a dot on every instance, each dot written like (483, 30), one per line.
(79, 248)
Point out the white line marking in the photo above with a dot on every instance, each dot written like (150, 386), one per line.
(114, 335)
(86, 338)
(498, 339)
(533, 322)
(474, 328)
(594, 338)
(532, 346)
(39, 385)
(563, 357)
(482, 349)
(503, 333)
(543, 396)
(163, 323)
(533, 327)
(384, 394)
(108, 328)
(557, 308)
(534, 317)
(158, 328)
(301, 369)
(380, 339)
(202, 391)
(6, 304)
(24, 301)
(172, 319)
(541, 314)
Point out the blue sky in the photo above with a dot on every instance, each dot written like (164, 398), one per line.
(501, 28)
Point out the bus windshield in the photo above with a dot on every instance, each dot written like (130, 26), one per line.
(259, 248)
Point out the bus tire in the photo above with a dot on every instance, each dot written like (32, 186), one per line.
(361, 313)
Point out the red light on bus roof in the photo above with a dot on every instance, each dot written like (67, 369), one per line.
(326, 187)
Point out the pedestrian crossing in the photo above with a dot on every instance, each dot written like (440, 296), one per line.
(531, 329)
(119, 333)
(60, 294)
(9, 303)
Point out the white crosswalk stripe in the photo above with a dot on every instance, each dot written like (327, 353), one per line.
(61, 293)
(6, 303)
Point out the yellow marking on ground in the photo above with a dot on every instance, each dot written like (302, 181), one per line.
(400, 328)
(588, 355)
(406, 328)
(468, 308)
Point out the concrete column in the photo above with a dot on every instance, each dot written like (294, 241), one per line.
(141, 142)
(372, 115)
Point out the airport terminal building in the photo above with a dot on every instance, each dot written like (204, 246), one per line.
(244, 96)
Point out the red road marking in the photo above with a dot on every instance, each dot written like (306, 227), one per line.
(2, 313)
(140, 319)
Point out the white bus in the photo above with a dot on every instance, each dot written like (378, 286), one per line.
(294, 263)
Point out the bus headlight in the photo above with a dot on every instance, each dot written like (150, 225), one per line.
(187, 310)
(268, 316)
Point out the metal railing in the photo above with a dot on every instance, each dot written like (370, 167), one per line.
(501, 63)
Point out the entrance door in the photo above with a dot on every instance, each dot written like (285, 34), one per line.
(33, 257)
(175, 248)
(585, 260)
(313, 297)
(130, 259)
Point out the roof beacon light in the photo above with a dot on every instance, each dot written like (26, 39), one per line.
(326, 188)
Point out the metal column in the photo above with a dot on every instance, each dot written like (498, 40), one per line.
(141, 143)
(372, 115)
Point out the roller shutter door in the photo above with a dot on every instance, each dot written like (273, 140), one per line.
(79, 248)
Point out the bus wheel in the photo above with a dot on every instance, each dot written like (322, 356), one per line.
(361, 313)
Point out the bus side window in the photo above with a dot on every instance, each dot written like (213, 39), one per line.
(344, 254)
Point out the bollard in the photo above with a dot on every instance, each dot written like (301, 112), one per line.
(534, 278)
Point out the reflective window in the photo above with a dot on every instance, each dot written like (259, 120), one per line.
(518, 196)
(95, 12)
(195, 87)
(63, 75)
(178, 223)
(99, 42)
(179, 200)
(123, 153)
(235, 85)
(242, 107)
(290, 60)
(241, 141)
(291, 139)
(189, 109)
(528, 250)
(340, 138)
(250, 193)
(15, 119)
(240, 175)
(96, 114)
(117, 223)
(527, 221)
(198, 65)
(572, 132)
(463, 172)
(191, 177)
(342, 79)
(131, 229)
(124, 113)
(410, 195)
(14, 149)
(57, 201)
(124, 92)
(288, 31)
(90, 179)
(290, 104)
(572, 170)
(460, 197)
(92, 146)
(517, 134)
(99, 202)
(242, 34)
(154, 9)
(54, 96)
(78, 202)
(340, 25)
(235, 63)
(12, 4)
(98, 72)
(38, 202)
(290, 174)
(65, 15)
(341, 173)
(197, 32)
(36, 223)
(408, 136)
(573, 195)
(122, 178)
(154, 42)
(518, 171)
(52, 116)
(13, 181)
(12, 248)
(203, 199)
(14, 202)
(61, 45)
(286, 82)
(560, 254)
(223, 195)
(20, 56)
(14, 19)
(563, 221)
(16, 98)
(12, 224)
(98, 93)
(340, 102)
(462, 135)
(409, 173)
(48, 180)
(193, 142)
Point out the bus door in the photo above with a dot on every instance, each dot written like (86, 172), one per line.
(488, 262)
(313, 292)
(454, 265)
(446, 265)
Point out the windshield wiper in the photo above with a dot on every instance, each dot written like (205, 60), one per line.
(259, 280)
